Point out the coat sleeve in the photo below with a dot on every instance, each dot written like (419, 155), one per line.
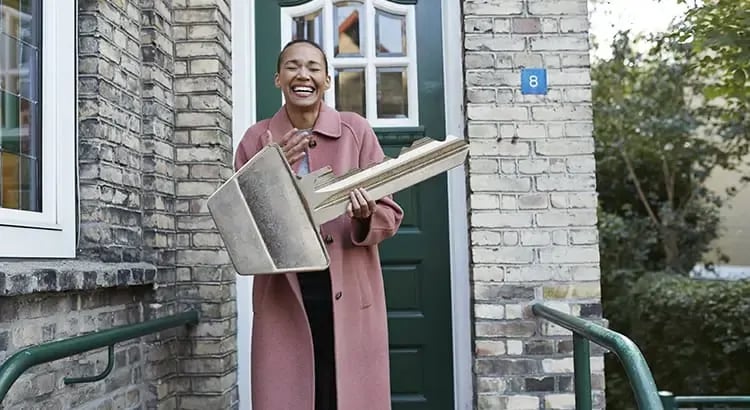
(250, 145)
(387, 217)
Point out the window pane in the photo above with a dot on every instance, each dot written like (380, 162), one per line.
(20, 127)
(393, 96)
(350, 90)
(391, 34)
(349, 39)
(309, 27)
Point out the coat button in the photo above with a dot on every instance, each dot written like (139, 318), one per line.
(338, 295)
(328, 239)
(312, 143)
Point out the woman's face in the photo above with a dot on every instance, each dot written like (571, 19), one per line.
(302, 75)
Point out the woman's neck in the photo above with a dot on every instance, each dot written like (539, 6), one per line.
(302, 119)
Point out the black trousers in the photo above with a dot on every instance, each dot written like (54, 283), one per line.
(316, 294)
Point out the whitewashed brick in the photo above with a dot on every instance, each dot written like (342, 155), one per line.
(582, 200)
(490, 112)
(522, 402)
(490, 347)
(566, 183)
(515, 347)
(570, 77)
(585, 273)
(582, 165)
(558, 7)
(484, 219)
(513, 312)
(484, 238)
(508, 202)
(510, 238)
(528, 60)
(498, 183)
(484, 311)
(497, 42)
(578, 95)
(584, 236)
(493, 7)
(505, 148)
(554, 366)
(533, 166)
(508, 166)
(561, 401)
(483, 130)
(503, 255)
(478, 25)
(572, 217)
(565, 147)
(574, 24)
(578, 129)
(501, 25)
(561, 113)
(575, 43)
(560, 238)
(565, 254)
(483, 166)
(489, 273)
(481, 95)
(535, 238)
(533, 201)
(550, 25)
(484, 201)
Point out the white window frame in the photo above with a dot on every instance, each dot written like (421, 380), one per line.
(52, 232)
(370, 61)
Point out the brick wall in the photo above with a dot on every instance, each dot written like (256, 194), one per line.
(533, 199)
(35, 318)
(154, 142)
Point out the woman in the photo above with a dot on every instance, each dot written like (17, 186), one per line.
(320, 339)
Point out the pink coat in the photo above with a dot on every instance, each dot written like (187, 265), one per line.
(282, 352)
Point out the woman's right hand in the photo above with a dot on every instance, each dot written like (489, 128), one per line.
(293, 144)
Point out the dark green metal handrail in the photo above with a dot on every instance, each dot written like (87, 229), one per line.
(24, 359)
(639, 374)
(672, 402)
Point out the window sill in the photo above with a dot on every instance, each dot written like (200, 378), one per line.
(24, 277)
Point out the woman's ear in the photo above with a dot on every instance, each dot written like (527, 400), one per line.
(276, 80)
(328, 82)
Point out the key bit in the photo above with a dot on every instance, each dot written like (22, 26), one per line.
(269, 218)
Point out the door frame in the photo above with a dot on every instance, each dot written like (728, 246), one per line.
(243, 115)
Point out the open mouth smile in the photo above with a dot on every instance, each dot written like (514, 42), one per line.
(303, 91)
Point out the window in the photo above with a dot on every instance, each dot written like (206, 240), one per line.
(371, 47)
(37, 128)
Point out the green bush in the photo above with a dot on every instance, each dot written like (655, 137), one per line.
(695, 334)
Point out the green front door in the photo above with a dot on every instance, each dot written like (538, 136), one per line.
(386, 59)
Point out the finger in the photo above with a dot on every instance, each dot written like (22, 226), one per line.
(287, 136)
(299, 146)
(356, 209)
(349, 211)
(368, 198)
(294, 158)
(362, 202)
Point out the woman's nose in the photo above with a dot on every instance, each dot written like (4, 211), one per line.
(303, 73)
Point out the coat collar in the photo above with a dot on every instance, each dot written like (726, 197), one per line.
(328, 122)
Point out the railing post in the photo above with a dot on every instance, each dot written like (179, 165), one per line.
(582, 372)
(668, 400)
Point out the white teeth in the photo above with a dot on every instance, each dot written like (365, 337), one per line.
(303, 89)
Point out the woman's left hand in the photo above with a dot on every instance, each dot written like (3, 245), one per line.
(361, 206)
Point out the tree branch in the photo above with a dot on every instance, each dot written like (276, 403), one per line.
(637, 183)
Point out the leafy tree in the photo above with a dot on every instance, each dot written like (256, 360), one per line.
(653, 157)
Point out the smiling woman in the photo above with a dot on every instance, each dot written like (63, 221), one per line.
(302, 357)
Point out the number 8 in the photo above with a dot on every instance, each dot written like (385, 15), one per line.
(534, 81)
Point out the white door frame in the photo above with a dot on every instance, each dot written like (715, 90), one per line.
(243, 115)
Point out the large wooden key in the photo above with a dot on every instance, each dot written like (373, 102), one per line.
(268, 217)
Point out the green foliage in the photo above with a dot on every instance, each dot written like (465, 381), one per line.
(695, 334)
(653, 158)
(719, 32)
